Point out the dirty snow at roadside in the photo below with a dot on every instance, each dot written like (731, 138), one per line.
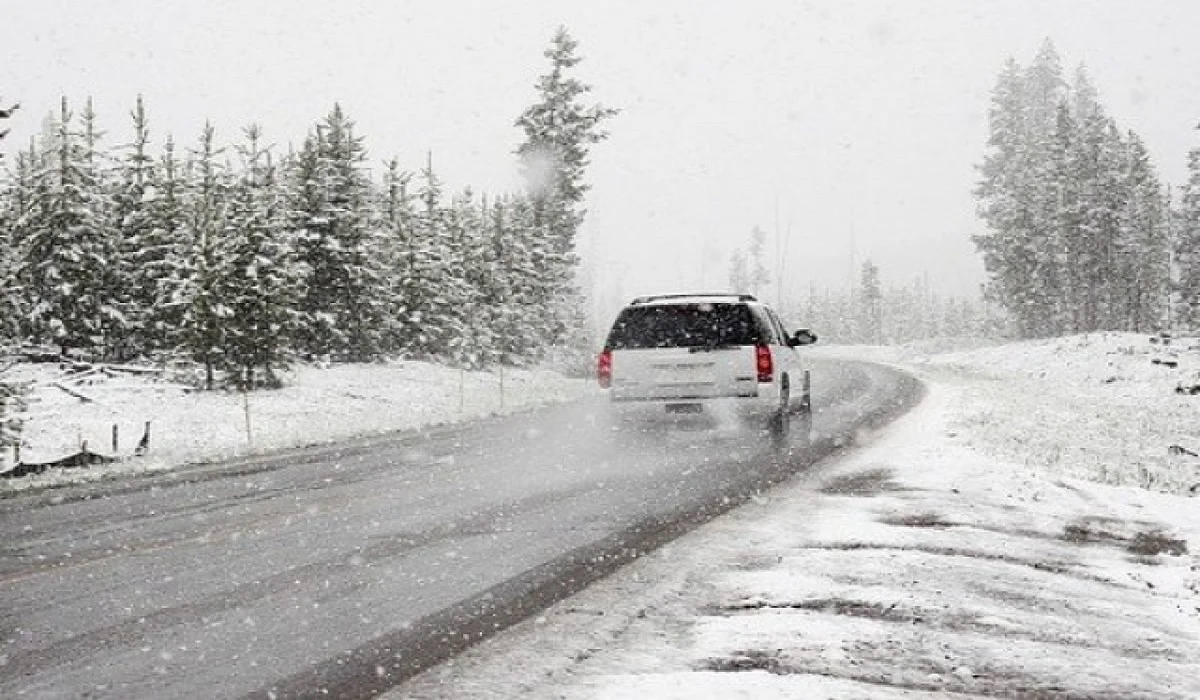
(317, 406)
(972, 549)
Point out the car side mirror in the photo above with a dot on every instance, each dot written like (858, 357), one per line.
(802, 337)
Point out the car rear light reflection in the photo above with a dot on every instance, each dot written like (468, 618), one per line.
(604, 369)
(766, 366)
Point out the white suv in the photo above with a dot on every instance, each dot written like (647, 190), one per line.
(697, 353)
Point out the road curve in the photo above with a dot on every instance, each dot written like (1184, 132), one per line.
(341, 571)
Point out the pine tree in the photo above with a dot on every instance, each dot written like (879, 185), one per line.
(755, 257)
(523, 331)
(138, 250)
(1007, 248)
(559, 130)
(65, 243)
(1187, 248)
(477, 270)
(870, 306)
(397, 253)
(159, 268)
(264, 281)
(345, 301)
(508, 269)
(438, 291)
(205, 317)
(1142, 273)
(11, 392)
(1045, 91)
(739, 272)
(15, 193)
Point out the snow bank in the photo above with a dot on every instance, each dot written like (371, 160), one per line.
(1101, 406)
(316, 406)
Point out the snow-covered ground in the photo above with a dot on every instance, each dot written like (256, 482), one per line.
(995, 542)
(317, 405)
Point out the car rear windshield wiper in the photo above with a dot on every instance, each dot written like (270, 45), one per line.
(714, 346)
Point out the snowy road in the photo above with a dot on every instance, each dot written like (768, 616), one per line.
(346, 569)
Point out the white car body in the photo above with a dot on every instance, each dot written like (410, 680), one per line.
(704, 354)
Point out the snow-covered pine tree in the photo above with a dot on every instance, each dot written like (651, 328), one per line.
(206, 313)
(396, 217)
(138, 250)
(113, 297)
(1142, 276)
(65, 244)
(1045, 91)
(264, 281)
(160, 269)
(1006, 244)
(1187, 249)
(559, 131)
(454, 298)
(509, 267)
(869, 314)
(756, 263)
(519, 242)
(477, 272)
(345, 301)
(1067, 241)
(11, 205)
(436, 298)
(739, 272)
(15, 193)
(1108, 194)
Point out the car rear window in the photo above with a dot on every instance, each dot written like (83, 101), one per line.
(683, 325)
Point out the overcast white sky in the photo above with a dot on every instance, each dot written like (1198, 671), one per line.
(850, 119)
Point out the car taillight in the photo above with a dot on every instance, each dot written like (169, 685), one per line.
(604, 369)
(766, 366)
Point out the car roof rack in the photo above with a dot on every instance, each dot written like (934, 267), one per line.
(662, 297)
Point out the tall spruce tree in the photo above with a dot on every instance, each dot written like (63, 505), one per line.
(138, 250)
(264, 280)
(523, 331)
(14, 192)
(65, 245)
(345, 300)
(559, 131)
(870, 305)
(160, 267)
(1187, 248)
(1007, 244)
(10, 210)
(506, 266)
(398, 254)
(205, 311)
(477, 348)
(435, 304)
(756, 259)
(1141, 247)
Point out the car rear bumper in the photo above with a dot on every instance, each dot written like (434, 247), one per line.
(758, 407)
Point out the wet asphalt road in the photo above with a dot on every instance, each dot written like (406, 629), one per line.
(340, 571)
